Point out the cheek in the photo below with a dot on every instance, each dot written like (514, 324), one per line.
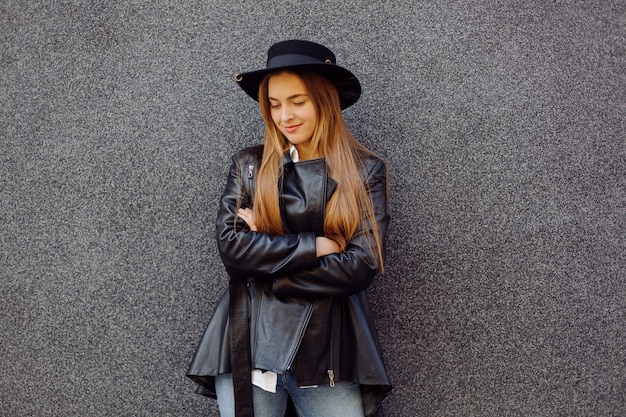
(313, 117)
(310, 114)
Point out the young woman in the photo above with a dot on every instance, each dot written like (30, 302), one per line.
(300, 229)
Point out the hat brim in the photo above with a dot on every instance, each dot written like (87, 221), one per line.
(347, 84)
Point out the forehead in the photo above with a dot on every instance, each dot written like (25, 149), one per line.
(284, 85)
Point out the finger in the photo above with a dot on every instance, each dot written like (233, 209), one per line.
(245, 211)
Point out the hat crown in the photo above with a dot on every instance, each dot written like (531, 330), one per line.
(306, 52)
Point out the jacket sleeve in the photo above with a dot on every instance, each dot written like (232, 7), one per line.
(350, 271)
(248, 254)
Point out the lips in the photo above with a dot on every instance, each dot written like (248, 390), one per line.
(292, 128)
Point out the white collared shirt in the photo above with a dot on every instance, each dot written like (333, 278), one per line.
(293, 152)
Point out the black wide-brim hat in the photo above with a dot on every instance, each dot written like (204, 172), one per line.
(299, 55)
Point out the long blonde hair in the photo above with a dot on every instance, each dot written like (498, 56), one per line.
(350, 206)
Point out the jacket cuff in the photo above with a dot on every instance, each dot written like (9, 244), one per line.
(309, 251)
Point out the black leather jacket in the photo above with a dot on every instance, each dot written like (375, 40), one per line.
(306, 313)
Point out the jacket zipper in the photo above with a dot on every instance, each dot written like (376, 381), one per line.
(250, 180)
(331, 372)
(250, 188)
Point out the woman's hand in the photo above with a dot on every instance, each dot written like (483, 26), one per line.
(248, 216)
(326, 246)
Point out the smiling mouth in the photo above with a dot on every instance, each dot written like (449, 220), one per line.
(293, 128)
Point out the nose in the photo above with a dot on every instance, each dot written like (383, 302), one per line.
(286, 114)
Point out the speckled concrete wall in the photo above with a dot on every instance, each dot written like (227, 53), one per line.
(503, 125)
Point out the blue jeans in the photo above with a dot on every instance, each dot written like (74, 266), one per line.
(342, 400)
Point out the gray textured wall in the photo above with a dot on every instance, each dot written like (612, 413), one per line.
(503, 125)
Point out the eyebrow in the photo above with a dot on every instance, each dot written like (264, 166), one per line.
(291, 97)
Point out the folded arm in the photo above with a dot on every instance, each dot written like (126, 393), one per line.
(350, 271)
(247, 253)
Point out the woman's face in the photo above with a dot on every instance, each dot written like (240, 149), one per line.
(292, 111)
